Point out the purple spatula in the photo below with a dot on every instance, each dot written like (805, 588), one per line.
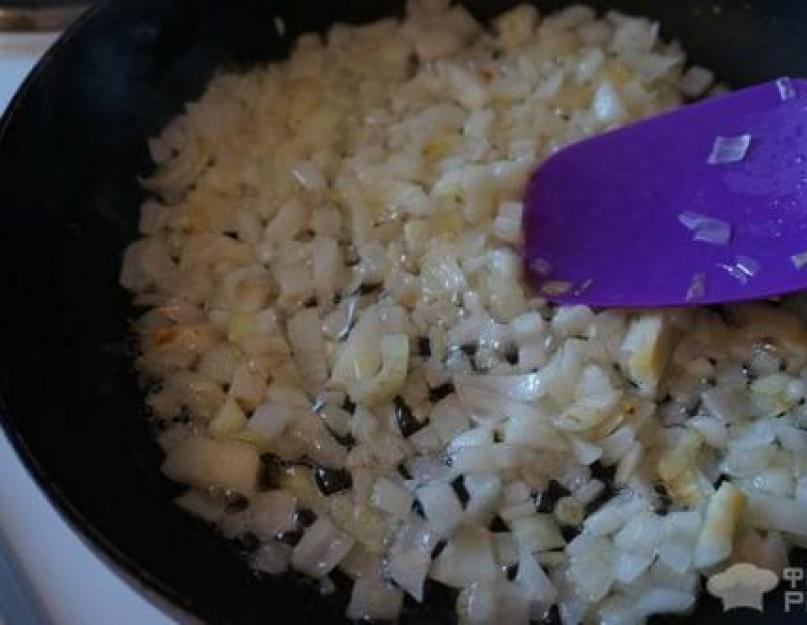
(705, 204)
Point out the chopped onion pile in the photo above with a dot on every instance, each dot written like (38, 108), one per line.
(350, 375)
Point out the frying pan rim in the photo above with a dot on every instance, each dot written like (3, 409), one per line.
(154, 590)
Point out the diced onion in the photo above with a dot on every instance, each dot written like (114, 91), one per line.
(706, 229)
(374, 599)
(556, 287)
(540, 266)
(308, 346)
(776, 513)
(677, 542)
(697, 288)
(695, 81)
(533, 581)
(507, 224)
(204, 462)
(202, 505)
(272, 513)
(466, 559)
(614, 514)
(786, 89)
(592, 571)
(607, 106)
(410, 556)
(339, 328)
(322, 547)
(484, 490)
(441, 507)
(589, 491)
(391, 498)
(743, 268)
(664, 600)
(390, 379)
(799, 260)
(271, 557)
(230, 418)
(271, 419)
(409, 570)
(722, 514)
(729, 149)
(538, 532)
(524, 387)
(572, 320)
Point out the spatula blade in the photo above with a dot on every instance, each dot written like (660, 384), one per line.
(605, 214)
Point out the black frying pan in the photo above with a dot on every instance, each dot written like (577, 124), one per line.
(71, 147)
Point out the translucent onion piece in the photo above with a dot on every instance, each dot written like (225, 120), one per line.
(408, 570)
(390, 379)
(308, 346)
(538, 532)
(323, 546)
(271, 557)
(526, 387)
(743, 268)
(663, 600)
(533, 580)
(540, 266)
(799, 260)
(391, 498)
(770, 512)
(556, 287)
(203, 463)
(466, 559)
(695, 81)
(787, 90)
(589, 491)
(583, 286)
(280, 25)
(272, 418)
(749, 266)
(677, 541)
(592, 571)
(410, 556)
(374, 599)
(441, 507)
(729, 149)
(724, 510)
(614, 514)
(697, 288)
(706, 229)
(272, 513)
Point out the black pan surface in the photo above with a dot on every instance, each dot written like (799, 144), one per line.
(71, 147)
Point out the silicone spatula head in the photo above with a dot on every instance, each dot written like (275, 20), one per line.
(705, 204)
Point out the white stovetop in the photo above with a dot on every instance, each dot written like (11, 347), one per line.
(47, 574)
